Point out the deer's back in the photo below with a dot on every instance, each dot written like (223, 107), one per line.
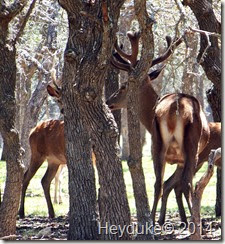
(47, 140)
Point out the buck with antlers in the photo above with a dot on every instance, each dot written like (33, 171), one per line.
(46, 143)
(178, 121)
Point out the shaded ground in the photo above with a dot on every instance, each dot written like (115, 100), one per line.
(42, 228)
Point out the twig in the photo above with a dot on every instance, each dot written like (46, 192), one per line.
(205, 32)
(25, 21)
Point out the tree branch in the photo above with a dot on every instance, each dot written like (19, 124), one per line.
(206, 32)
(25, 21)
(145, 22)
(11, 11)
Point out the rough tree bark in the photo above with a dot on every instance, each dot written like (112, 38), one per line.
(111, 85)
(211, 63)
(135, 79)
(11, 197)
(215, 103)
(125, 23)
(89, 124)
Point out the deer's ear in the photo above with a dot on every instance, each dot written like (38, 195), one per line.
(154, 74)
(52, 92)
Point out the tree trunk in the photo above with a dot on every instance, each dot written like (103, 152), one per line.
(135, 79)
(135, 159)
(124, 133)
(211, 63)
(89, 124)
(82, 193)
(31, 106)
(10, 203)
(113, 205)
(111, 85)
(218, 205)
(188, 79)
(1, 146)
(214, 96)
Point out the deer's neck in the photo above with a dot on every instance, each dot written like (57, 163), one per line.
(147, 100)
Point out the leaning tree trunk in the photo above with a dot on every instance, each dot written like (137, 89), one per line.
(11, 197)
(211, 63)
(89, 124)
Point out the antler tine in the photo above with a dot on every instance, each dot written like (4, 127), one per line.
(120, 65)
(169, 41)
(119, 58)
(121, 52)
(118, 62)
(154, 74)
(134, 40)
(169, 50)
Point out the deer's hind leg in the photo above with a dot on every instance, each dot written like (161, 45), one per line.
(191, 138)
(168, 186)
(46, 182)
(159, 148)
(36, 161)
(58, 187)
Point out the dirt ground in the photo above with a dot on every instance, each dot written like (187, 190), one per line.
(43, 228)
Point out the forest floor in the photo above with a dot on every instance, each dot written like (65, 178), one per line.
(43, 228)
(37, 226)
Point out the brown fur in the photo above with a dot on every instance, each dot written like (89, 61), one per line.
(175, 181)
(213, 143)
(47, 143)
(183, 114)
(180, 128)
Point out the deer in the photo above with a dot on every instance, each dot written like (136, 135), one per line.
(175, 180)
(179, 128)
(39, 135)
(47, 142)
(148, 100)
(58, 185)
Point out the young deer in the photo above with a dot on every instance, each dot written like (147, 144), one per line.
(46, 143)
(148, 99)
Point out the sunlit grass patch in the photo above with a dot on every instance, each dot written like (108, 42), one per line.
(35, 203)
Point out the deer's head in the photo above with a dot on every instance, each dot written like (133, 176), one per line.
(56, 92)
(127, 62)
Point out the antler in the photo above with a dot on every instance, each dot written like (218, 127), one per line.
(119, 62)
(134, 41)
(118, 57)
(170, 48)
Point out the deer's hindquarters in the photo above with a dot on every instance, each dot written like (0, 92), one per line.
(182, 130)
(179, 115)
